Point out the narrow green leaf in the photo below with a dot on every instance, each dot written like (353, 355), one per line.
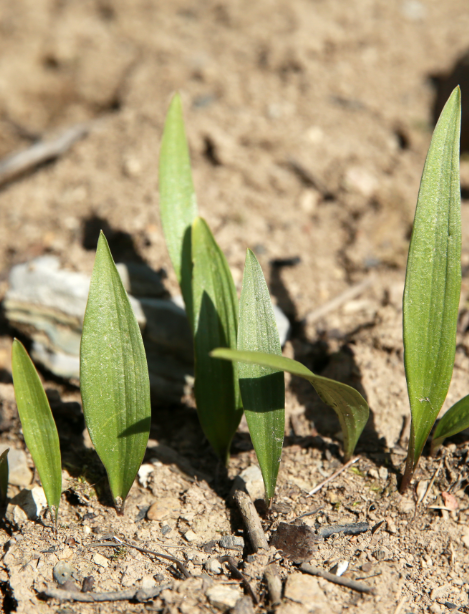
(349, 405)
(39, 430)
(453, 422)
(262, 388)
(178, 206)
(433, 281)
(4, 475)
(215, 324)
(115, 386)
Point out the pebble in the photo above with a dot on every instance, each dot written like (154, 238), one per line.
(305, 590)
(213, 566)
(391, 526)
(250, 481)
(243, 606)
(190, 536)
(100, 560)
(144, 474)
(63, 571)
(19, 473)
(383, 473)
(147, 582)
(232, 542)
(163, 508)
(223, 597)
(31, 501)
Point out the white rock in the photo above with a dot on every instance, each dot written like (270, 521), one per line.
(250, 481)
(190, 536)
(144, 474)
(223, 597)
(19, 473)
(147, 582)
(99, 559)
(213, 566)
(31, 501)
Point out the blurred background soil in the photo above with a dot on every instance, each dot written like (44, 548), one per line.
(308, 123)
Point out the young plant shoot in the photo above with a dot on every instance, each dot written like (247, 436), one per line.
(433, 283)
(178, 205)
(215, 305)
(349, 405)
(454, 421)
(262, 388)
(115, 386)
(39, 430)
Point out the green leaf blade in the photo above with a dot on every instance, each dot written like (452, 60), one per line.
(262, 388)
(37, 421)
(349, 405)
(215, 306)
(455, 420)
(433, 280)
(114, 377)
(178, 205)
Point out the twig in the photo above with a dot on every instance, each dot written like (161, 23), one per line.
(132, 593)
(400, 605)
(237, 574)
(333, 476)
(338, 301)
(355, 586)
(432, 481)
(251, 520)
(41, 152)
(274, 583)
(179, 564)
(315, 511)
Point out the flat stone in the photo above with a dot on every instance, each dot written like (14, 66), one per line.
(100, 560)
(297, 542)
(232, 542)
(243, 606)
(19, 473)
(223, 597)
(31, 501)
(190, 536)
(147, 582)
(305, 590)
(250, 481)
(163, 508)
(213, 566)
(63, 572)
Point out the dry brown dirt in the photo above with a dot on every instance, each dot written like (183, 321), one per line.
(308, 123)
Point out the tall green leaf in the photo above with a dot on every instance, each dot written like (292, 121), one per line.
(39, 430)
(433, 282)
(349, 405)
(215, 324)
(262, 388)
(114, 377)
(453, 422)
(178, 206)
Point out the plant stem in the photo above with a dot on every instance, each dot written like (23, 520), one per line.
(409, 472)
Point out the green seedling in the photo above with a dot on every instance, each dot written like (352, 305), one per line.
(215, 306)
(178, 205)
(349, 405)
(4, 476)
(433, 283)
(206, 285)
(39, 430)
(114, 379)
(453, 422)
(262, 388)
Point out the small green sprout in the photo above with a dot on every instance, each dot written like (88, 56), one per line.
(37, 421)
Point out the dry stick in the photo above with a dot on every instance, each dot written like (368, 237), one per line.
(339, 300)
(333, 476)
(132, 593)
(237, 574)
(251, 520)
(400, 605)
(41, 152)
(120, 542)
(355, 586)
(274, 583)
(432, 481)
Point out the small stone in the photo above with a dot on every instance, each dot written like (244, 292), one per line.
(144, 474)
(147, 582)
(232, 542)
(63, 571)
(366, 567)
(100, 560)
(391, 526)
(32, 501)
(190, 536)
(243, 606)
(380, 555)
(383, 473)
(213, 566)
(223, 597)
(15, 515)
(373, 473)
(19, 473)
(163, 508)
(465, 540)
(306, 590)
(250, 481)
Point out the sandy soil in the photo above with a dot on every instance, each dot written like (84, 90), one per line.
(308, 124)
